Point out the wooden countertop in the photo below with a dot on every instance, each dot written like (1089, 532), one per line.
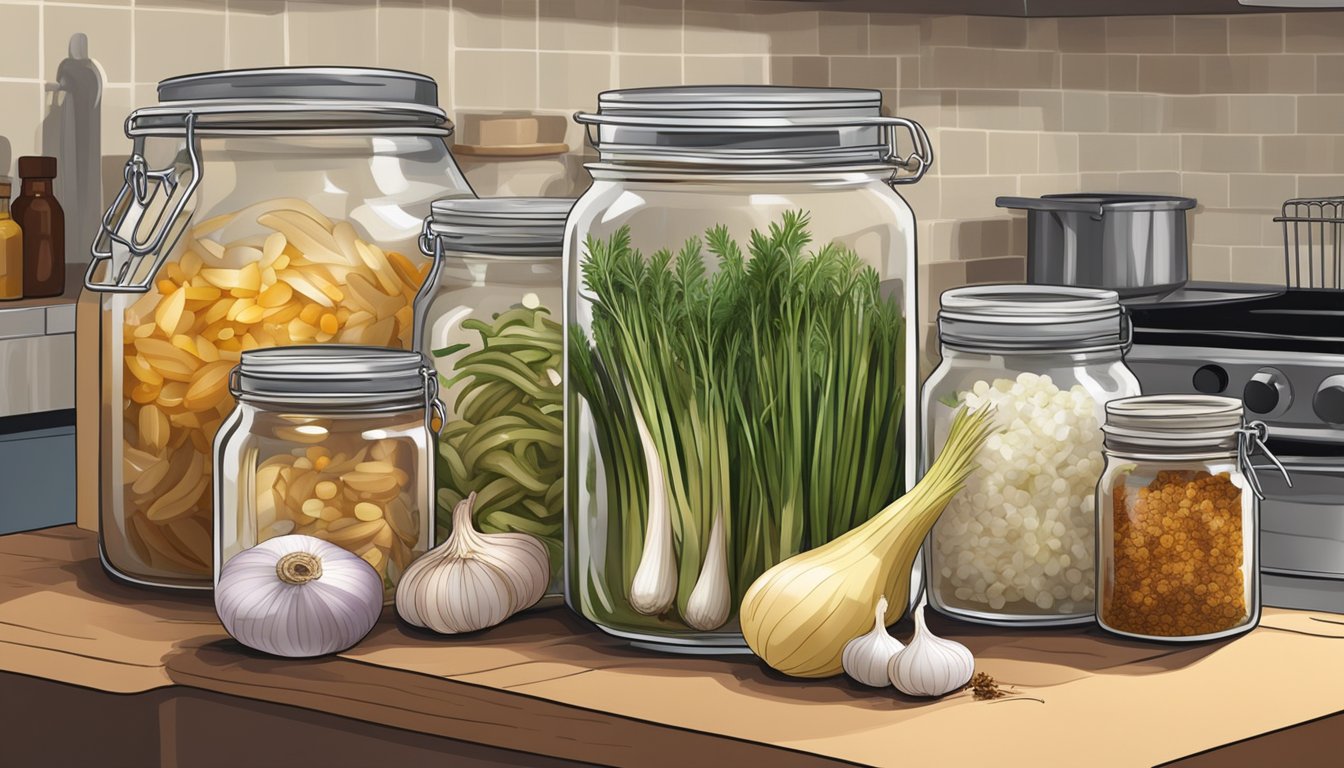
(74, 283)
(547, 683)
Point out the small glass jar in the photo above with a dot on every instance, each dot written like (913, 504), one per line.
(331, 441)
(1179, 515)
(1016, 546)
(489, 319)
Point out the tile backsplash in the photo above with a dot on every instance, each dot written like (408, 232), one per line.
(1238, 111)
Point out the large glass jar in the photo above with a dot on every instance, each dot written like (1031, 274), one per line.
(261, 208)
(330, 441)
(1016, 546)
(739, 277)
(1179, 513)
(489, 319)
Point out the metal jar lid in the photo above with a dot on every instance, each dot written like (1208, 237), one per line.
(289, 100)
(499, 226)
(1173, 423)
(1032, 318)
(334, 376)
(752, 126)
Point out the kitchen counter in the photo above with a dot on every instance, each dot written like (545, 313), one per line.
(140, 677)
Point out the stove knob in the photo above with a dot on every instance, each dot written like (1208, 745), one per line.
(1210, 379)
(1268, 393)
(1329, 400)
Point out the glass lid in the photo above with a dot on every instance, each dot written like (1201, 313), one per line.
(1035, 318)
(501, 226)
(332, 375)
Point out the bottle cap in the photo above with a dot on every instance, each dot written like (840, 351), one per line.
(37, 167)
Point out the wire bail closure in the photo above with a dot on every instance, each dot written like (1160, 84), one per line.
(1250, 438)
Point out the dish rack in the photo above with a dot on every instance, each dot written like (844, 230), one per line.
(1312, 244)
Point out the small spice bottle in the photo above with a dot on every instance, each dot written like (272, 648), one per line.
(43, 223)
(1178, 509)
(11, 248)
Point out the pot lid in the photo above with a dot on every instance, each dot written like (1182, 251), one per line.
(502, 226)
(1032, 318)
(332, 375)
(1098, 203)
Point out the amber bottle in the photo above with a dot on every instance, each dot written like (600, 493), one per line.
(43, 224)
(11, 249)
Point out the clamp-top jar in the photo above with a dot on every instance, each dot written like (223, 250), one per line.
(684, 482)
(261, 208)
(332, 441)
(489, 319)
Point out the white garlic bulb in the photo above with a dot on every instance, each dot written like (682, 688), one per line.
(710, 602)
(298, 596)
(930, 665)
(866, 657)
(473, 580)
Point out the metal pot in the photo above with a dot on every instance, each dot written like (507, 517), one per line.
(1132, 244)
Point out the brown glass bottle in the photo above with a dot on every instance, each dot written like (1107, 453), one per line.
(43, 224)
(11, 249)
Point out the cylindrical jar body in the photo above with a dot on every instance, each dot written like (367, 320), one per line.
(703, 446)
(1017, 545)
(490, 323)
(352, 470)
(1176, 538)
(298, 234)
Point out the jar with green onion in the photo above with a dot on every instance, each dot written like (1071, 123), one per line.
(489, 318)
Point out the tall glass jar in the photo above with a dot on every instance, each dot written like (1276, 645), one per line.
(739, 275)
(489, 319)
(1016, 546)
(331, 441)
(1179, 518)
(261, 208)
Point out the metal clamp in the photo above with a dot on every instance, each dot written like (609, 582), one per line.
(919, 160)
(1250, 438)
(117, 235)
(433, 405)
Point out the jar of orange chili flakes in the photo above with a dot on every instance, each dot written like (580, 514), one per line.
(1179, 510)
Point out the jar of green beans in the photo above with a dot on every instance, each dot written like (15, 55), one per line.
(488, 317)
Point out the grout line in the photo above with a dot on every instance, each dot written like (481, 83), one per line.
(285, 14)
(227, 35)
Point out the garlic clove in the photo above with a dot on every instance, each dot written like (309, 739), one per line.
(710, 602)
(654, 586)
(867, 656)
(930, 665)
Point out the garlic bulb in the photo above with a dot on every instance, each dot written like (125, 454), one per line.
(710, 602)
(298, 596)
(473, 580)
(930, 665)
(866, 657)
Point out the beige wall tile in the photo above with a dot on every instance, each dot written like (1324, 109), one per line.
(495, 24)
(402, 41)
(256, 35)
(571, 80)
(924, 198)
(955, 67)
(1160, 153)
(1108, 152)
(108, 30)
(800, 70)
(1013, 153)
(910, 72)
(1257, 264)
(1255, 33)
(1122, 72)
(892, 33)
(996, 32)
(735, 70)
(1169, 74)
(1196, 114)
(709, 31)
(931, 108)
(1226, 227)
(943, 30)
(865, 71)
(438, 36)
(936, 276)
(1201, 34)
(1260, 190)
(997, 110)
(788, 31)
(1023, 69)
(1315, 32)
(1001, 269)
(1085, 111)
(1136, 112)
(1041, 111)
(1286, 73)
(638, 71)
(972, 197)
(323, 33)
(843, 33)
(1043, 34)
(1139, 34)
(1082, 35)
(1291, 74)
(19, 122)
(960, 152)
(1048, 184)
(495, 79)
(1210, 262)
(1318, 185)
(18, 56)
(1058, 152)
(173, 53)
(1220, 153)
(1149, 182)
(1304, 154)
(1083, 71)
(1330, 74)
(577, 25)
(1320, 113)
(1262, 113)
(1209, 189)
(118, 102)
(988, 238)
(648, 26)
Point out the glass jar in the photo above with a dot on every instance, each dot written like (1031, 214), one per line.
(1016, 546)
(331, 441)
(285, 209)
(489, 319)
(1179, 519)
(701, 445)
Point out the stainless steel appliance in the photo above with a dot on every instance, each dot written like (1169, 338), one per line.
(1132, 244)
(1280, 349)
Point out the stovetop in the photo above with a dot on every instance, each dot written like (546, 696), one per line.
(1243, 318)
